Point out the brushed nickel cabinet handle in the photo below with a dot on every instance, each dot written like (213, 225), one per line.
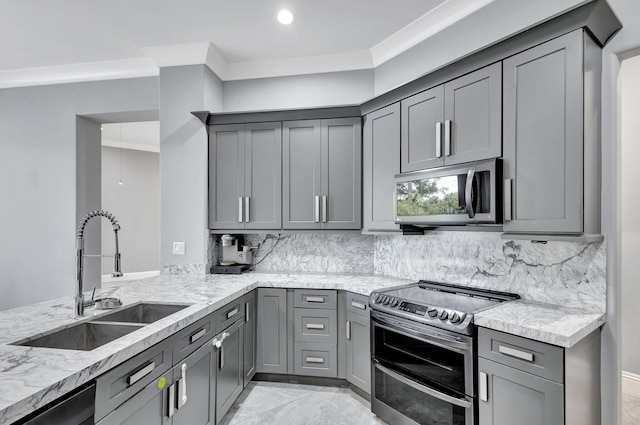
(315, 360)
(358, 305)
(348, 330)
(507, 199)
(316, 218)
(314, 299)
(518, 354)
(232, 313)
(196, 336)
(324, 209)
(318, 326)
(141, 373)
(171, 403)
(247, 214)
(240, 215)
(438, 139)
(447, 138)
(484, 393)
(246, 312)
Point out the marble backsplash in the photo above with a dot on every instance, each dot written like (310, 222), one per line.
(568, 273)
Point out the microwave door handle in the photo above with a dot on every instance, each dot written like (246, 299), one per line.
(468, 193)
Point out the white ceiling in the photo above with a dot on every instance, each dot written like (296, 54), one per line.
(45, 41)
(143, 136)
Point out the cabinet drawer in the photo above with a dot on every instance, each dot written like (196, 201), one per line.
(227, 315)
(537, 358)
(192, 337)
(358, 304)
(122, 382)
(315, 298)
(315, 359)
(315, 325)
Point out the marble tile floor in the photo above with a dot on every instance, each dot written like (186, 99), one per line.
(630, 410)
(293, 404)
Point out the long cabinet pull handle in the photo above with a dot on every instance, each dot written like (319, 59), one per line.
(171, 402)
(232, 313)
(247, 309)
(222, 357)
(507, 199)
(348, 330)
(447, 138)
(196, 336)
(314, 299)
(247, 205)
(314, 360)
(438, 139)
(324, 209)
(182, 386)
(318, 326)
(316, 217)
(484, 393)
(141, 373)
(358, 305)
(518, 354)
(240, 208)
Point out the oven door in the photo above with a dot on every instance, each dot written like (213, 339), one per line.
(420, 374)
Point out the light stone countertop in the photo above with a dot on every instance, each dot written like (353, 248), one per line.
(32, 377)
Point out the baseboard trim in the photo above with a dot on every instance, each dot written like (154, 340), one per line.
(630, 384)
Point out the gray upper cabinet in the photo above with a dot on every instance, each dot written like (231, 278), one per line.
(544, 149)
(456, 122)
(322, 174)
(380, 163)
(245, 173)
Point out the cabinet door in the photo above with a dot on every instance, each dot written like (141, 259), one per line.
(226, 176)
(271, 335)
(358, 352)
(301, 185)
(381, 162)
(518, 397)
(249, 336)
(197, 370)
(149, 406)
(341, 202)
(229, 374)
(263, 176)
(473, 116)
(543, 145)
(422, 128)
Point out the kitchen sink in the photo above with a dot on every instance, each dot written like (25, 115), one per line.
(143, 313)
(82, 336)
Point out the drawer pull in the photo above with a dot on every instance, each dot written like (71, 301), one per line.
(172, 401)
(483, 387)
(196, 336)
(232, 313)
(315, 360)
(314, 299)
(512, 352)
(141, 373)
(358, 305)
(246, 312)
(319, 326)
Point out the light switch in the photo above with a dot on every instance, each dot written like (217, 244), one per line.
(178, 248)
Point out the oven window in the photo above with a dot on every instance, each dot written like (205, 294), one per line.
(425, 362)
(421, 407)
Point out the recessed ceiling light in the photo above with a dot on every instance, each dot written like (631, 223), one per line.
(285, 17)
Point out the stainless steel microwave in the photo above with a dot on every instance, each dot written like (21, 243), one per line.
(452, 195)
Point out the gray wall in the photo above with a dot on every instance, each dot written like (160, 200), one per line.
(183, 165)
(300, 91)
(136, 204)
(38, 132)
(630, 146)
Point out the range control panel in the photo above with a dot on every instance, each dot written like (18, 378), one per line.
(393, 304)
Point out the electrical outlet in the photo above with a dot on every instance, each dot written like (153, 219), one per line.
(179, 248)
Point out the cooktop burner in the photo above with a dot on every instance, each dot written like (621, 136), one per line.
(438, 304)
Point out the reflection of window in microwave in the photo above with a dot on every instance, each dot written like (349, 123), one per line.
(434, 196)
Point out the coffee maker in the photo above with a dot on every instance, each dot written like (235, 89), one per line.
(230, 259)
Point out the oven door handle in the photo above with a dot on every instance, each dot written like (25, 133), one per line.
(437, 394)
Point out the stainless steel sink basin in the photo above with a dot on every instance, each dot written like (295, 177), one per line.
(83, 336)
(143, 313)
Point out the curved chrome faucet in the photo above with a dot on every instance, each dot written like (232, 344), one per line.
(79, 298)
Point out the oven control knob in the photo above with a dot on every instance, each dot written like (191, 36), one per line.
(444, 315)
(455, 318)
(386, 300)
(432, 312)
(378, 298)
(394, 302)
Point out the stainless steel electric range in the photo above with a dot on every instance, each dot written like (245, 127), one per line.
(423, 352)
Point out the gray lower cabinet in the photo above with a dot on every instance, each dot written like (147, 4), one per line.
(195, 388)
(249, 337)
(551, 137)
(380, 163)
(245, 170)
(358, 351)
(229, 372)
(271, 331)
(533, 383)
(322, 161)
(456, 122)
